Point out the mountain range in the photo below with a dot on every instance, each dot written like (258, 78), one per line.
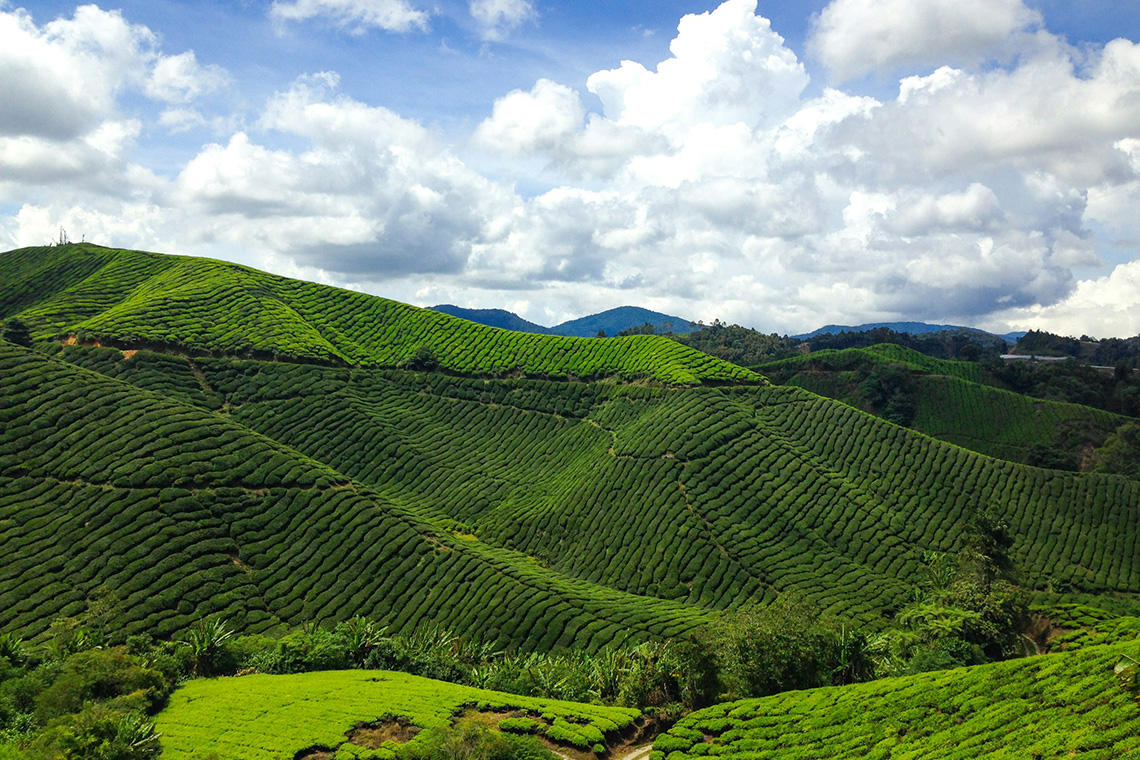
(609, 322)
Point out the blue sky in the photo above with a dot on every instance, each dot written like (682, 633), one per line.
(777, 164)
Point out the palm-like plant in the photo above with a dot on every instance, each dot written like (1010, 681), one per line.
(205, 639)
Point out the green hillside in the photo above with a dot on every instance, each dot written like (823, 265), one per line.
(269, 491)
(534, 513)
(182, 513)
(1060, 705)
(852, 359)
(263, 717)
(949, 400)
(204, 307)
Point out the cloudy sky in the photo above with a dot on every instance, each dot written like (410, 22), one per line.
(781, 164)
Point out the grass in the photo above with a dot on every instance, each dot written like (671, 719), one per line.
(262, 717)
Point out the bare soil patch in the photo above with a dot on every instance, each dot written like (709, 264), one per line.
(372, 735)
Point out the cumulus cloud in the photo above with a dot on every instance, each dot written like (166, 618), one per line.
(1102, 307)
(355, 16)
(497, 18)
(967, 194)
(525, 122)
(854, 37)
(60, 80)
(714, 183)
(181, 79)
(375, 194)
(60, 84)
(728, 67)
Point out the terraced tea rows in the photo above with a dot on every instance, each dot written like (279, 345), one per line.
(182, 514)
(1052, 706)
(275, 491)
(705, 496)
(951, 403)
(848, 359)
(1000, 423)
(263, 717)
(133, 299)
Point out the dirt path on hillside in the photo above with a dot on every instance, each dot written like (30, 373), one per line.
(639, 753)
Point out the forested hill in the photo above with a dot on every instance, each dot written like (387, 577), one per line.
(204, 307)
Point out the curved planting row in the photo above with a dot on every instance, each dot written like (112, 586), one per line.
(706, 496)
(180, 514)
(1059, 705)
(206, 307)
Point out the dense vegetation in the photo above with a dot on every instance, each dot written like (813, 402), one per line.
(184, 514)
(705, 497)
(316, 468)
(958, 402)
(1060, 705)
(204, 307)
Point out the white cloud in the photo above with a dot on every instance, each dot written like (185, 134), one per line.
(728, 67)
(60, 84)
(714, 184)
(180, 78)
(1103, 307)
(854, 37)
(524, 122)
(60, 80)
(374, 195)
(497, 18)
(355, 16)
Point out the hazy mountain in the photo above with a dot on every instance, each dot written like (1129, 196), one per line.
(507, 320)
(914, 328)
(614, 321)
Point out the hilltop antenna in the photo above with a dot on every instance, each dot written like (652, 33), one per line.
(63, 236)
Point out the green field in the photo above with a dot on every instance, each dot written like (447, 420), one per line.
(206, 307)
(1053, 706)
(262, 717)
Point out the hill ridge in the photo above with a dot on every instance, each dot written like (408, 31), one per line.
(209, 307)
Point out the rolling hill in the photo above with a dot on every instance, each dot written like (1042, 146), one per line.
(186, 470)
(1060, 705)
(613, 321)
(204, 307)
(914, 328)
(951, 401)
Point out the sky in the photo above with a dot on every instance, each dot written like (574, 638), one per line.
(776, 164)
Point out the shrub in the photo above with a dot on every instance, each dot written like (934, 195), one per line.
(473, 742)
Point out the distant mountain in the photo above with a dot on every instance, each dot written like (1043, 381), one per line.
(507, 320)
(614, 321)
(914, 328)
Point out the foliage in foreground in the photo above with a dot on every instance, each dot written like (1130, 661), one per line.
(263, 716)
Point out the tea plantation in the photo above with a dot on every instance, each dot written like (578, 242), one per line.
(1061, 705)
(198, 442)
(184, 514)
(948, 400)
(204, 307)
(269, 717)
